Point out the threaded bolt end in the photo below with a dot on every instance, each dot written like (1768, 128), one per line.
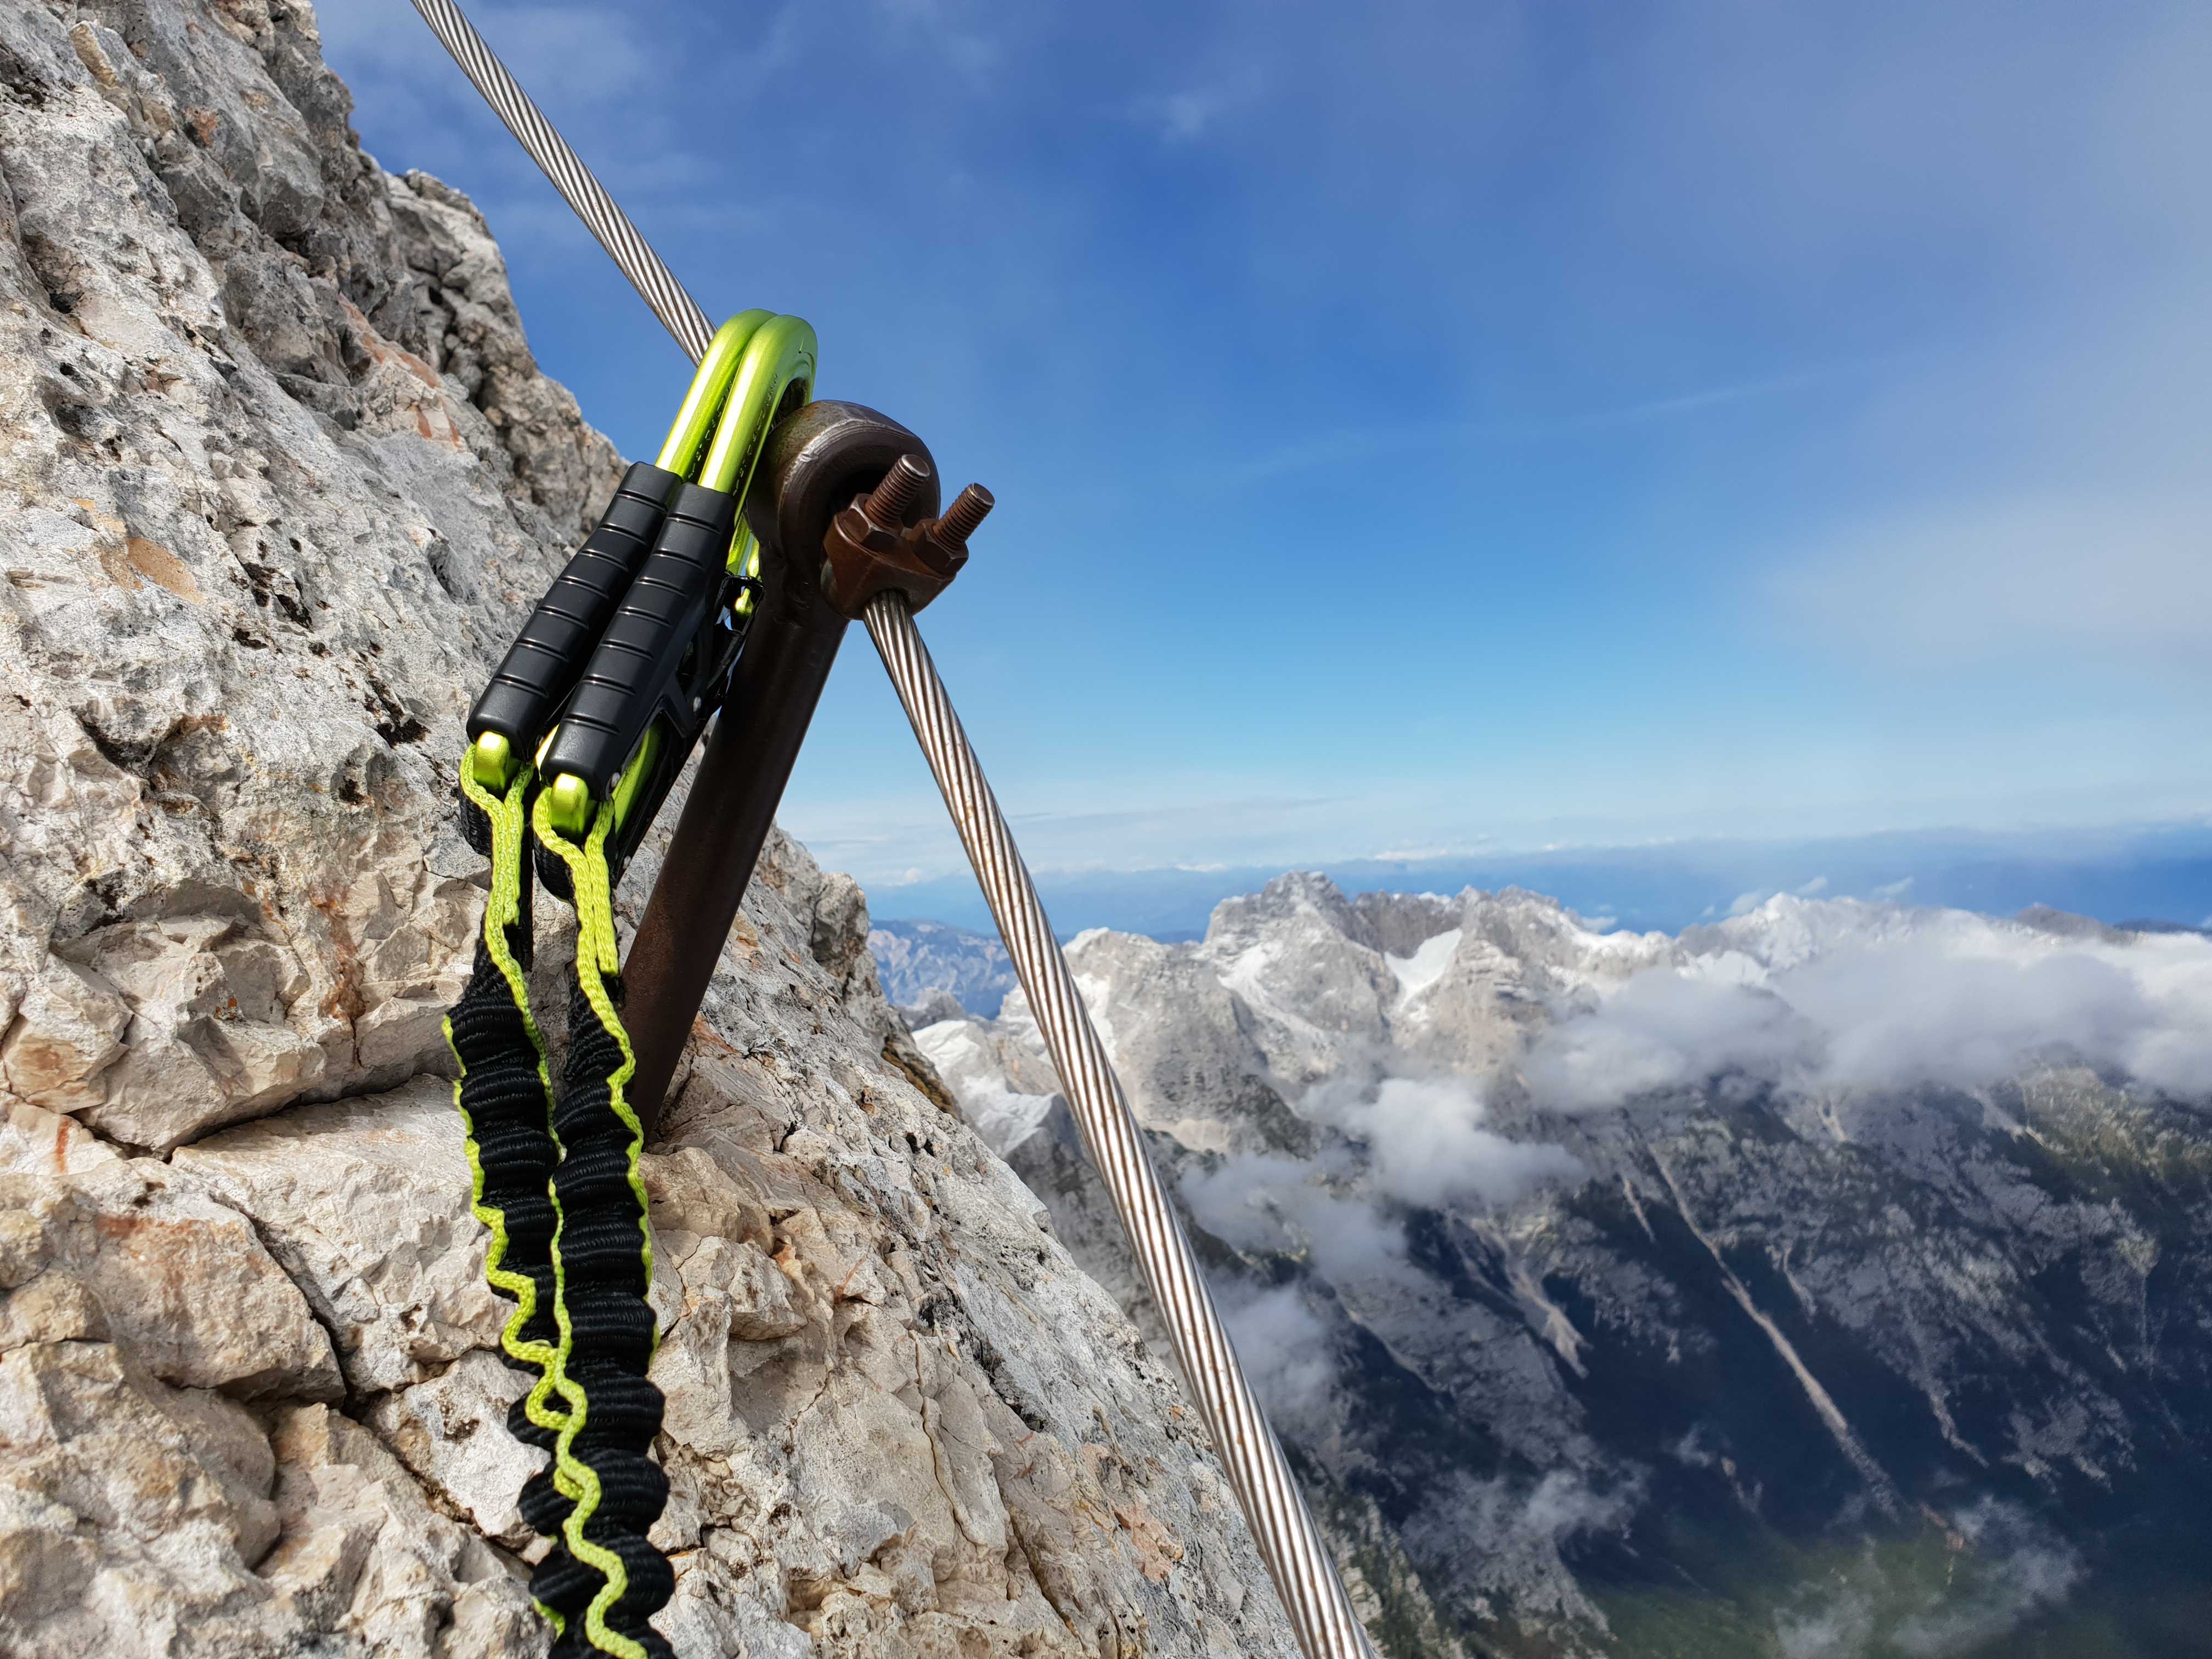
(975, 504)
(888, 501)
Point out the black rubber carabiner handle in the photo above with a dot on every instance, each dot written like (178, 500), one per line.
(551, 653)
(633, 667)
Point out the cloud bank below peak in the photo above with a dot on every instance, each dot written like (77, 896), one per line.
(1948, 1000)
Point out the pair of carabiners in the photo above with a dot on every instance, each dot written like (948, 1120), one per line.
(612, 678)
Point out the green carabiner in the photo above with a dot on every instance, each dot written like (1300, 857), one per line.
(774, 375)
(709, 392)
(648, 698)
(540, 668)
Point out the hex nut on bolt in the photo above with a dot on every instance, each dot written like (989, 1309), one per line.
(866, 550)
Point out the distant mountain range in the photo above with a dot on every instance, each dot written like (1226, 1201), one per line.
(2161, 871)
(933, 969)
(1826, 1281)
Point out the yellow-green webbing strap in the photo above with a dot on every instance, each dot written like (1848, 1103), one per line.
(602, 1257)
(505, 1095)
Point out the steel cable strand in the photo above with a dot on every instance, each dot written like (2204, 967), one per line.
(603, 1268)
(1259, 1473)
(655, 283)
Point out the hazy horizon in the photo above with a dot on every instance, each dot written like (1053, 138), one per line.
(2150, 872)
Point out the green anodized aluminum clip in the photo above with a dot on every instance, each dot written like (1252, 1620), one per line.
(695, 420)
(538, 677)
(491, 762)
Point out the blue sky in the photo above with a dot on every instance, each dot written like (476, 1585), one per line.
(1426, 429)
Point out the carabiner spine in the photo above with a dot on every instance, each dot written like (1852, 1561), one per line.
(694, 422)
(773, 373)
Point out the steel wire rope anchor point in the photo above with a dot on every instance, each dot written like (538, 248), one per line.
(818, 463)
(870, 548)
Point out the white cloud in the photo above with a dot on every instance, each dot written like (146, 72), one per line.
(1268, 1201)
(1564, 1506)
(2005, 1567)
(1664, 1031)
(1416, 1142)
(1179, 117)
(1284, 1346)
(1426, 1144)
(1963, 1004)
(1839, 1628)
(2015, 1567)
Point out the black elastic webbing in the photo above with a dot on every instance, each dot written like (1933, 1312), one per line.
(555, 1178)
(506, 1108)
(602, 1260)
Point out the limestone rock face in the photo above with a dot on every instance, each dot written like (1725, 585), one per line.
(281, 478)
(151, 1258)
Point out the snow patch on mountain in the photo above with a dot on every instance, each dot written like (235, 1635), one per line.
(1418, 971)
(1003, 1116)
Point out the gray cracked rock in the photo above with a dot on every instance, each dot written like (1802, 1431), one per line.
(282, 479)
